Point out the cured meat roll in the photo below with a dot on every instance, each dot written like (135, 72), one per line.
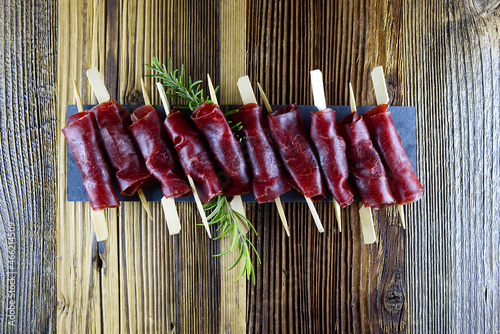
(364, 163)
(130, 171)
(330, 147)
(403, 181)
(296, 152)
(81, 134)
(193, 155)
(268, 181)
(225, 148)
(151, 139)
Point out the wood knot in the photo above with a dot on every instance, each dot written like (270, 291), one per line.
(485, 7)
(394, 299)
(135, 98)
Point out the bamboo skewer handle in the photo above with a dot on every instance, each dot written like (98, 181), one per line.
(310, 204)
(365, 212)
(98, 217)
(248, 96)
(320, 103)
(380, 87)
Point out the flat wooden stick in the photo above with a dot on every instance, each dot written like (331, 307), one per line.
(213, 96)
(197, 199)
(312, 208)
(199, 206)
(144, 202)
(320, 103)
(236, 203)
(98, 217)
(145, 94)
(365, 212)
(164, 98)
(248, 96)
(378, 80)
(99, 87)
(264, 98)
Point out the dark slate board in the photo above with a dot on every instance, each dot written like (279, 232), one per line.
(404, 119)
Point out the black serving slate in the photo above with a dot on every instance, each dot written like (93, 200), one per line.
(404, 119)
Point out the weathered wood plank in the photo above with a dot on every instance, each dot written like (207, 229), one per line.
(80, 287)
(27, 167)
(283, 48)
(233, 302)
(451, 52)
(308, 282)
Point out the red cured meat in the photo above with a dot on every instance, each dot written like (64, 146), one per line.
(193, 155)
(161, 161)
(225, 148)
(330, 147)
(81, 134)
(268, 181)
(130, 171)
(403, 181)
(364, 163)
(296, 152)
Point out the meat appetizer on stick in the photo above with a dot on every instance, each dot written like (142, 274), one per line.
(296, 154)
(226, 149)
(330, 147)
(192, 155)
(268, 181)
(404, 183)
(230, 220)
(83, 139)
(131, 173)
(358, 139)
(161, 161)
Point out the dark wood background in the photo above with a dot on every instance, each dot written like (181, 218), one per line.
(439, 275)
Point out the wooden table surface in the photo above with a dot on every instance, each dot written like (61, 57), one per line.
(440, 275)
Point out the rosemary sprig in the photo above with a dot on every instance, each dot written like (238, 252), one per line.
(230, 221)
(230, 224)
(176, 87)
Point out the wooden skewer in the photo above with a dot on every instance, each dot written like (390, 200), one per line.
(197, 199)
(98, 217)
(236, 203)
(378, 80)
(168, 204)
(365, 212)
(320, 103)
(248, 96)
(99, 87)
(312, 208)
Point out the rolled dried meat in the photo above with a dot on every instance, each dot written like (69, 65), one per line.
(130, 171)
(403, 181)
(296, 152)
(331, 147)
(268, 181)
(364, 163)
(82, 137)
(225, 148)
(193, 155)
(161, 161)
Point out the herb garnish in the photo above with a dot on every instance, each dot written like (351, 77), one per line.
(230, 221)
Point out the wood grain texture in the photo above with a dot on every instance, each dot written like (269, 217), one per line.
(452, 52)
(27, 167)
(438, 276)
(286, 40)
